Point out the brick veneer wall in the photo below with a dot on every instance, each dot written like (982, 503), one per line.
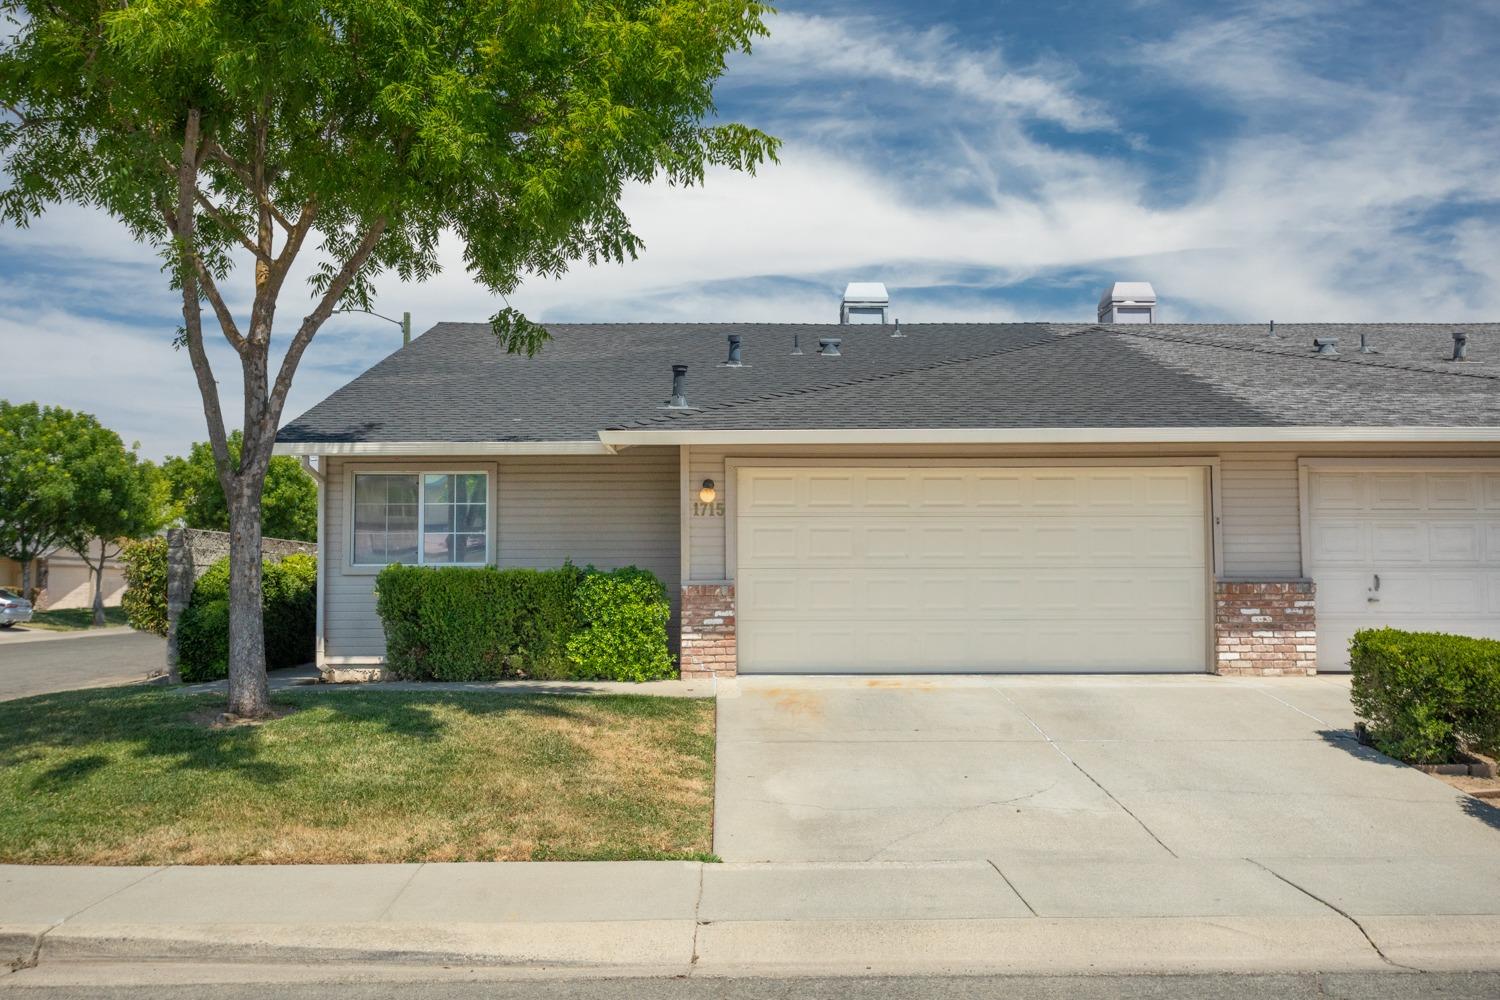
(708, 639)
(1265, 629)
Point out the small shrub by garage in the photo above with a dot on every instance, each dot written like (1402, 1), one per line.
(1424, 696)
(622, 627)
(288, 609)
(459, 624)
(145, 598)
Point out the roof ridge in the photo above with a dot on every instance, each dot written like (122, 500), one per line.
(846, 383)
(1362, 359)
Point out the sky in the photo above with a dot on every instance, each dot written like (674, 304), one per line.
(988, 160)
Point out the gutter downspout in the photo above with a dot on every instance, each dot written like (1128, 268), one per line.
(321, 480)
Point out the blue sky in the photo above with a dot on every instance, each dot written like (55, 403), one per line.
(1298, 160)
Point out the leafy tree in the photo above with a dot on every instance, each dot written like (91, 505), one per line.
(224, 131)
(289, 500)
(35, 492)
(114, 499)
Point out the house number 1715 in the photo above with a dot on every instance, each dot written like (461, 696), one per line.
(714, 509)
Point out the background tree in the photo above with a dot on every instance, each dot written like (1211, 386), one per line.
(114, 499)
(224, 130)
(35, 489)
(289, 499)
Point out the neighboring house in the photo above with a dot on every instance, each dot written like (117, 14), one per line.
(945, 497)
(62, 580)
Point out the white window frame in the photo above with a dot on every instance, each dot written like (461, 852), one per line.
(488, 471)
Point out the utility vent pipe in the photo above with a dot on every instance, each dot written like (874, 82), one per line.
(1328, 347)
(898, 332)
(1273, 329)
(796, 346)
(829, 346)
(734, 352)
(1364, 345)
(679, 388)
(1460, 345)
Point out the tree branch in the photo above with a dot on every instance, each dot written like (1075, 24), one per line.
(315, 319)
(216, 152)
(219, 217)
(192, 314)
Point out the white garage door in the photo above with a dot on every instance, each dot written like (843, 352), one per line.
(1409, 548)
(971, 569)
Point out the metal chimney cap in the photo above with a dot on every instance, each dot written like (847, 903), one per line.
(679, 391)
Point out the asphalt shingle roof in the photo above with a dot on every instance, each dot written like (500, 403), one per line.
(455, 384)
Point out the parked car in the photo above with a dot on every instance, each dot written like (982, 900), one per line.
(13, 608)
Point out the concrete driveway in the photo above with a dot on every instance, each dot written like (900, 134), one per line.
(1126, 772)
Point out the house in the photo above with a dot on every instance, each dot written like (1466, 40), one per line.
(61, 580)
(875, 496)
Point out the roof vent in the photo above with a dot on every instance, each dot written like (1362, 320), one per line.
(1128, 302)
(796, 345)
(679, 388)
(898, 332)
(864, 302)
(733, 361)
(1273, 329)
(829, 346)
(1328, 347)
(1365, 347)
(1460, 345)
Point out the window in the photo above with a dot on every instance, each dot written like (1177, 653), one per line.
(432, 518)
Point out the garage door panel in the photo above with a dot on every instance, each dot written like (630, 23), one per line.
(974, 569)
(1431, 536)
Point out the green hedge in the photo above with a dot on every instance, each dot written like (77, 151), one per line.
(145, 599)
(289, 610)
(458, 624)
(1426, 695)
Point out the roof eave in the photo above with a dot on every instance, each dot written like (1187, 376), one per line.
(413, 449)
(1045, 435)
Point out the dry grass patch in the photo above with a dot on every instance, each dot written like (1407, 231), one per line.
(132, 776)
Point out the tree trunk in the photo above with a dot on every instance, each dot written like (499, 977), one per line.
(99, 589)
(249, 691)
(26, 578)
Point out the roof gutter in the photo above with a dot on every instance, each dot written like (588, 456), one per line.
(403, 449)
(1049, 435)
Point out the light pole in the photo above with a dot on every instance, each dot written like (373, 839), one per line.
(404, 322)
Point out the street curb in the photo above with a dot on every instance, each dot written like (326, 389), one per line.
(1079, 945)
(48, 635)
(18, 944)
(655, 944)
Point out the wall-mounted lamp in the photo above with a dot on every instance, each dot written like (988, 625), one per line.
(707, 493)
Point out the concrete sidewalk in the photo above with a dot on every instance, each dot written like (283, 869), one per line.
(680, 918)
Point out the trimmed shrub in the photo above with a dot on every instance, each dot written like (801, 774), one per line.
(145, 598)
(1426, 695)
(289, 611)
(459, 624)
(203, 641)
(623, 636)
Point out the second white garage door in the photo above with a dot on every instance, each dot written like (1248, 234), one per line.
(971, 569)
(1411, 548)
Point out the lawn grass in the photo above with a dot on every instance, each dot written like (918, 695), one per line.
(137, 776)
(74, 619)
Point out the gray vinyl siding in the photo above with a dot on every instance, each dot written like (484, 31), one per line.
(1260, 524)
(608, 510)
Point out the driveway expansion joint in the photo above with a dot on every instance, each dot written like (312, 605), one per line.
(1013, 888)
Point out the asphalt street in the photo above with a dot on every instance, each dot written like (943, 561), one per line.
(76, 661)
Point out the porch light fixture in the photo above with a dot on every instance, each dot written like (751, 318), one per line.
(707, 493)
